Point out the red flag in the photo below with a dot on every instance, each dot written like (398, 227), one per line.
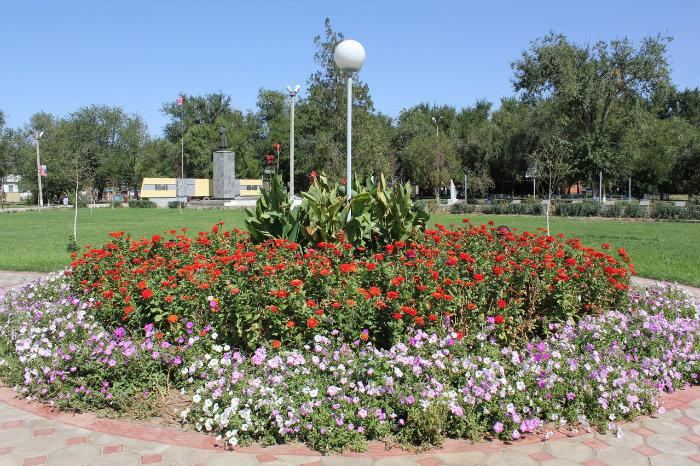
(180, 101)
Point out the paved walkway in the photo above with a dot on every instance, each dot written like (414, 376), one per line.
(35, 434)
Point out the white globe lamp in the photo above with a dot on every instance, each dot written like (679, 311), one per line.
(349, 55)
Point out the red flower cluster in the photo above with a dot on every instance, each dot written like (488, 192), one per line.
(252, 294)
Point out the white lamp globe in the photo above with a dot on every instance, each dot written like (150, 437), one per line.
(349, 55)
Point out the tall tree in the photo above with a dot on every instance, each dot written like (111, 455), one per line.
(587, 84)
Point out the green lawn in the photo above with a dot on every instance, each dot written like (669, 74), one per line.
(37, 241)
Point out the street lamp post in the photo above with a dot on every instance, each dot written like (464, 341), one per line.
(436, 122)
(293, 95)
(349, 57)
(37, 136)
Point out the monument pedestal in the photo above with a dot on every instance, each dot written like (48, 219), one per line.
(226, 186)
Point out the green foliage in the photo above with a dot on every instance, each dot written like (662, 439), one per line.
(273, 216)
(666, 211)
(377, 214)
(142, 204)
(578, 209)
(176, 204)
(72, 244)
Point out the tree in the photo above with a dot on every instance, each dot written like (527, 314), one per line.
(552, 162)
(432, 161)
(589, 84)
(515, 137)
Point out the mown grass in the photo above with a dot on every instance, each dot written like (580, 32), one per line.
(36, 241)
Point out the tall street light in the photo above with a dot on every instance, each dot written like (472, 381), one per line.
(293, 95)
(37, 136)
(349, 56)
(436, 122)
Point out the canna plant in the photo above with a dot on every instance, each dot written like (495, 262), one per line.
(274, 216)
(376, 215)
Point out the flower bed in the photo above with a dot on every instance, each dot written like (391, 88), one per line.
(276, 294)
(338, 392)
(468, 332)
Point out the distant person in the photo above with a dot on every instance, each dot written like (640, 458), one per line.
(64, 200)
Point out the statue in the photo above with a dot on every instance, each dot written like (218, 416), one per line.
(223, 138)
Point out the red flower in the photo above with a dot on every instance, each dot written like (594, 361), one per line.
(478, 277)
(392, 294)
(312, 322)
(501, 303)
(290, 323)
(147, 294)
(499, 319)
(296, 283)
(275, 344)
(172, 318)
(276, 147)
(432, 317)
(156, 238)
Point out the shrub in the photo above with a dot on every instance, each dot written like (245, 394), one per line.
(578, 209)
(613, 210)
(666, 211)
(255, 293)
(116, 204)
(632, 210)
(142, 204)
(465, 208)
(177, 204)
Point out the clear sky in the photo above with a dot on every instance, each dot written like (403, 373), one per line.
(57, 56)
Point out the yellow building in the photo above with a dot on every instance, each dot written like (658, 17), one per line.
(164, 190)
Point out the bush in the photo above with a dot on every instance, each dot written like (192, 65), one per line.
(578, 209)
(613, 210)
(177, 204)
(632, 210)
(465, 208)
(666, 211)
(142, 204)
(117, 205)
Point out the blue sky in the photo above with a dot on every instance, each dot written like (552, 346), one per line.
(60, 55)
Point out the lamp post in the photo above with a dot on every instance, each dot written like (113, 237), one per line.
(349, 57)
(293, 95)
(37, 137)
(436, 122)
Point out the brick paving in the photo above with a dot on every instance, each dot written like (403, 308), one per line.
(34, 434)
